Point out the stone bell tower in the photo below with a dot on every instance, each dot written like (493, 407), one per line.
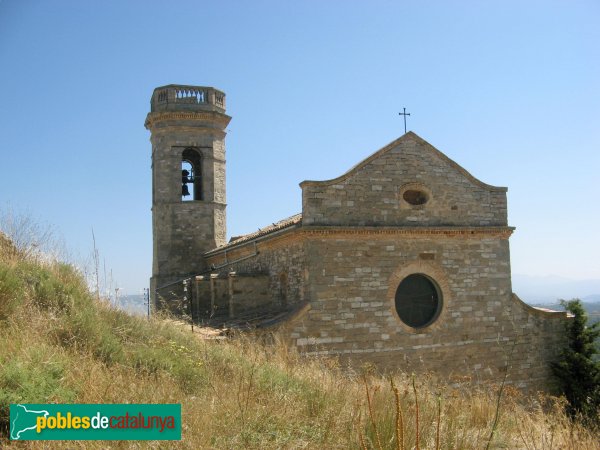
(187, 126)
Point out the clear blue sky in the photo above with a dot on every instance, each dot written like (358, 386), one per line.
(508, 89)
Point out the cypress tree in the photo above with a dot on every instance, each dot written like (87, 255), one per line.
(577, 372)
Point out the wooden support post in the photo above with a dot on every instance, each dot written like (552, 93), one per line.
(230, 278)
(188, 299)
(197, 281)
(213, 277)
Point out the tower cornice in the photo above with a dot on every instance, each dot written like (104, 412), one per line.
(219, 120)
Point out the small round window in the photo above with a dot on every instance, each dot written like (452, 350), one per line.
(418, 301)
(415, 197)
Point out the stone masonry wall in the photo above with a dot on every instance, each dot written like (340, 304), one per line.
(230, 295)
(182, 231)
(251, 293)
(481, 328)
(283, 261)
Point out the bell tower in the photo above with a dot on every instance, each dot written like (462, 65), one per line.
(187, 126)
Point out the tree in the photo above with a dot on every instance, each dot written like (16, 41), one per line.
(577, 373)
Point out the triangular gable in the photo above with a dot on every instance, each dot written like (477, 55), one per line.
(397, 142)
(381, 190)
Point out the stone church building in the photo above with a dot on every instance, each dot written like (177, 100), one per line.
(403, 261)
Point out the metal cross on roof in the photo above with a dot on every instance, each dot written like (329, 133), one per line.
(404, 114)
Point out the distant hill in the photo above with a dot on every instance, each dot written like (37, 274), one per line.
(549, 289)
(133, 304)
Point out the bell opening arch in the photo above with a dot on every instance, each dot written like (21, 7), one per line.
(191, 175)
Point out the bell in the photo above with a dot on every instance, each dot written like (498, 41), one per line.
(184, 190)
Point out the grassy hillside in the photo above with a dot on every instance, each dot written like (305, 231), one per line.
(59, 345)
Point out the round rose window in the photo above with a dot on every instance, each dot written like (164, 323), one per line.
(418, 301)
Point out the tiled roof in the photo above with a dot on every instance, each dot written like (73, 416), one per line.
(285, 223)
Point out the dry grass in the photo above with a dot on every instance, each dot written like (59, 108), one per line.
(58, 345)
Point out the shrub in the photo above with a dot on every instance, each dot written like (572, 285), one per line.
(48, 291)
(83, 330)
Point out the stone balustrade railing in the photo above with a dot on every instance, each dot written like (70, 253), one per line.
(176, 97)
